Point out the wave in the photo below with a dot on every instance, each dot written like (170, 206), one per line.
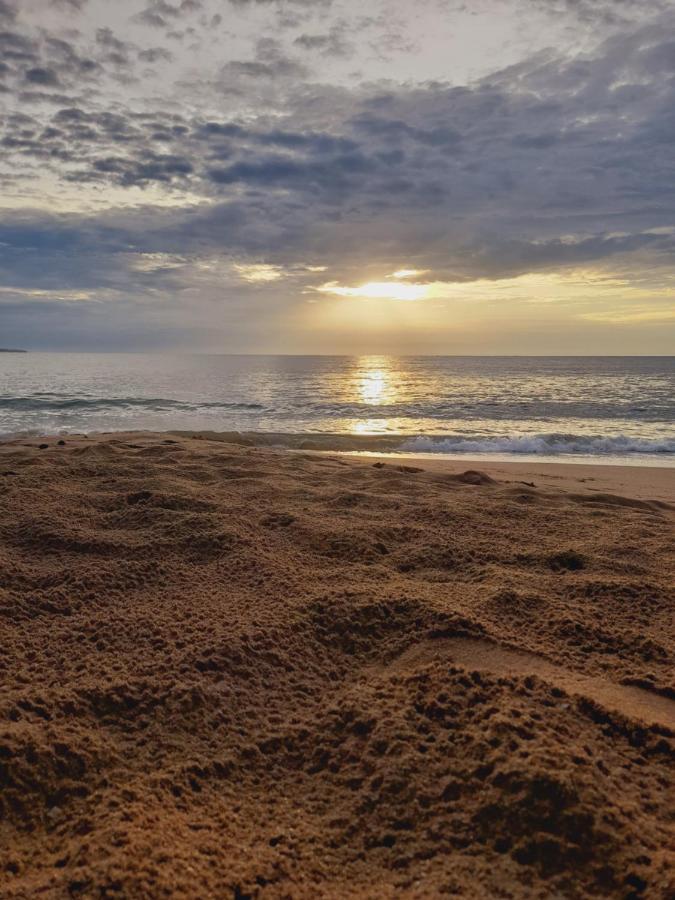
(549, 444)
(51, 403)
(535, 444)
(540, 444)
(495, 409)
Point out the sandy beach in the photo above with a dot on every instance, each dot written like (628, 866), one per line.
(231, 671)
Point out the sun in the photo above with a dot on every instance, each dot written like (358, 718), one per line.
(378, 290)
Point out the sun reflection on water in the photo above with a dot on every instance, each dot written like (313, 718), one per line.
(373, 387)
(370, 426)
(373, 384)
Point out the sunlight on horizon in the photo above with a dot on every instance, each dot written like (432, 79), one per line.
(378, 290)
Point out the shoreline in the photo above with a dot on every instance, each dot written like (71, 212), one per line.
(643, 482)
(617, 450)
(639, 482)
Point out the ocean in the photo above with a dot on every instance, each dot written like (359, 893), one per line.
(611, 408)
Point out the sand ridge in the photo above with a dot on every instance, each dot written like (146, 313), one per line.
(232, 671)
(488, 656)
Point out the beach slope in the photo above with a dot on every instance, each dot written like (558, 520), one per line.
(229, 671)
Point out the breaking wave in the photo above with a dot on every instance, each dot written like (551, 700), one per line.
(540, 444)
(534, 444)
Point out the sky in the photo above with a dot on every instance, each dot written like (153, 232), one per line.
(333, 176)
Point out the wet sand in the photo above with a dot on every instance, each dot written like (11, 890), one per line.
(636, 482)
(230, 671)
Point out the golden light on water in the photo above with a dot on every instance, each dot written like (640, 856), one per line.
(372, 383)
(374, 387)
(369, 426)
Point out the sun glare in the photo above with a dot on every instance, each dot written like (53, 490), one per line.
(407, 273)
(379, 290)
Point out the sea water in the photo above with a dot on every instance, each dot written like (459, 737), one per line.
(614, 408)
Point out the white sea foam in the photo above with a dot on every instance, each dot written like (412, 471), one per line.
(539, 444)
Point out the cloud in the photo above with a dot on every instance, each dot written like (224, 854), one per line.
(74, 5)
(258, 273)
(334, 42)
(270, 62)
(288, 14)
(162, 167)
(113, 50)
(608, 12)
(17, 47)
(154, 54)
(308, 176)
(36, 66)
(258, 171)
(43, 77)
(301, 3)
(160, 13)
(7, 12)
(533, 151)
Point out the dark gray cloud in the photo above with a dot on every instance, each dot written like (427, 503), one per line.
(270, 62)
(45, 62)
(150, 166)
(7, 12)
(334, 42)
(161, 14)
(154, 54)
(536, 147)
(43, 77)
(112, 49)
(16, 47)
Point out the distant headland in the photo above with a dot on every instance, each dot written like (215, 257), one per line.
(11, 350)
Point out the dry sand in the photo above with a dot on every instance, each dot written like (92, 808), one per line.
(236, 672)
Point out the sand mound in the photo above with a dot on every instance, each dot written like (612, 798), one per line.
(472, 476)
(234, 672)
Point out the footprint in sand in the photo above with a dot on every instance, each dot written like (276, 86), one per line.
(482, 655)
